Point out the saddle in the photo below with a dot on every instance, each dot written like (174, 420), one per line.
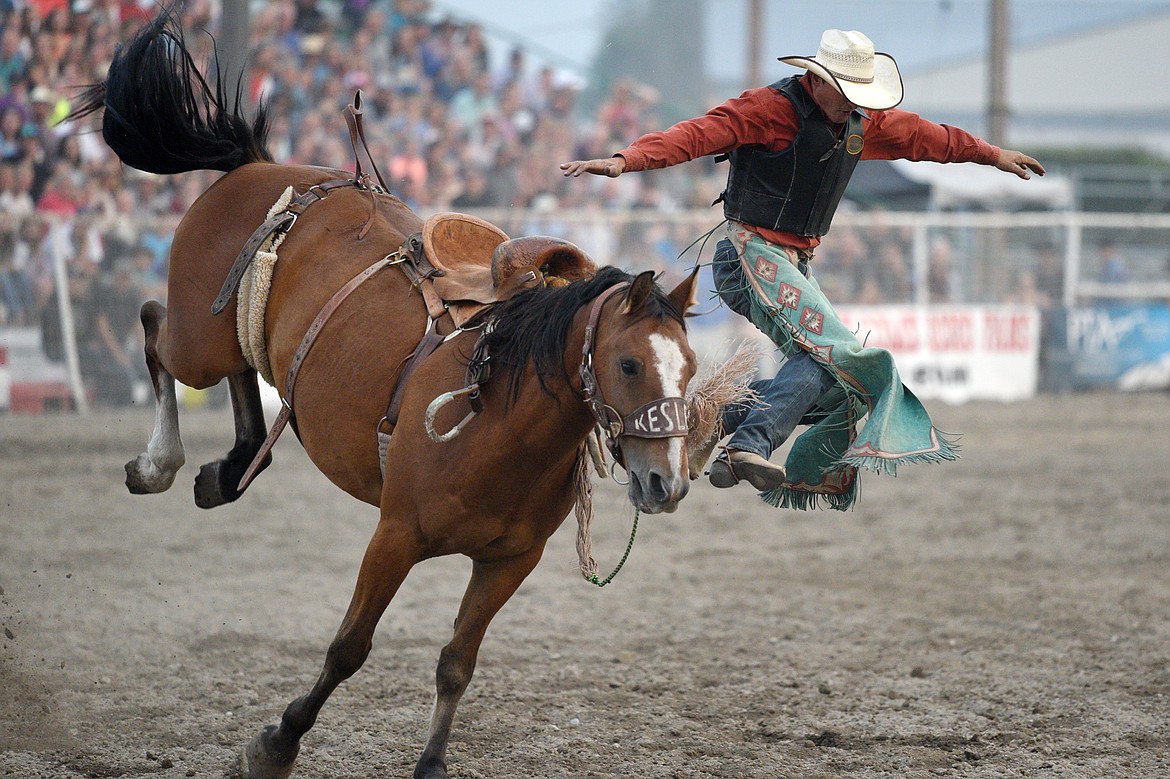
(463, 265)
(472, 263)
(460, 264)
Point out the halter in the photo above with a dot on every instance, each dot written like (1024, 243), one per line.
(662, 418)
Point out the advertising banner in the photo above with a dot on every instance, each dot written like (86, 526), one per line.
(956, 353)
(1114, 346)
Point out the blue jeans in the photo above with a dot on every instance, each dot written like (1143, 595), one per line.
(788, 399)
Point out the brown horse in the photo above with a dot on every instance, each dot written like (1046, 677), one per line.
(496, 492)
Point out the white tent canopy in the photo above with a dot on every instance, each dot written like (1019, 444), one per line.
(968, 184)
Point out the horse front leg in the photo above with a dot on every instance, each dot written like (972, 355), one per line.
(154, 470)
(492, 584)
(218, 481)
(392, 552)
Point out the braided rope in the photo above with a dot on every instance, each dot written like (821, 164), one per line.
(583, 509)
(723, 385)
(629, 547)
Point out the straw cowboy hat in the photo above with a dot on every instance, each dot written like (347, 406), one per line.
(846, 60)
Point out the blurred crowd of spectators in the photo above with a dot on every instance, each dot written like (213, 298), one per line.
(451, 127)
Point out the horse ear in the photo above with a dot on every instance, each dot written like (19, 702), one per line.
(638, 292)
(685, 294)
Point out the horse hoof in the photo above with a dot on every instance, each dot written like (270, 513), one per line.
(209, 488)
(143, 477)
(431, 769)
(261, 759)
(218, 482)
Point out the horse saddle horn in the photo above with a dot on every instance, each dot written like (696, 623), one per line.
(537, 260)
(475, 264)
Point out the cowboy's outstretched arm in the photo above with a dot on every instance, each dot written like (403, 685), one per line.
(610, 166)
(1018, 163)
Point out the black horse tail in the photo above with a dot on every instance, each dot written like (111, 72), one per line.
(162, 115)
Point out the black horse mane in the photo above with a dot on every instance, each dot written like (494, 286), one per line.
(162, 115)
(533, 327)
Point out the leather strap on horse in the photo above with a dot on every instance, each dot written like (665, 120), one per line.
(281, 222)
(420, 272)
(608, 422)
(353, 119)
(298, 359)
(426, 347)
(662, 418)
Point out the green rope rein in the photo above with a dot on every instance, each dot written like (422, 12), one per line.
(633, 532)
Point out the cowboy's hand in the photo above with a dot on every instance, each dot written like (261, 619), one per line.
(1018, 163)
(610, 166)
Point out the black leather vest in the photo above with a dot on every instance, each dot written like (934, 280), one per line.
(796, 190)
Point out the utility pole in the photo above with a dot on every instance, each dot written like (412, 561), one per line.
(997, 110)
(755, 37)
(233, 55)
(997, 60)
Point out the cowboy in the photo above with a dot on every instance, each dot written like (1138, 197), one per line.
(793, 146)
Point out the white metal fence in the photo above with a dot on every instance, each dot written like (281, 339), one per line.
(971, 257)
(1042, 259)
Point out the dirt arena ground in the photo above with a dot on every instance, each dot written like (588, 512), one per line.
(1006, 615)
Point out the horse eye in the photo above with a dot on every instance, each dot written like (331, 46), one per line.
(629, 368)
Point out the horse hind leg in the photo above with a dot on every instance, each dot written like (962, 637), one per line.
(392, 552)
(218, 481)
(492, 584)
(154, 470)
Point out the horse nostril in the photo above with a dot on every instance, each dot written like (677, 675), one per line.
(636, 490)
(659, 490)
(652, 489)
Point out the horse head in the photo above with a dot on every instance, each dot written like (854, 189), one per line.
(641, 362)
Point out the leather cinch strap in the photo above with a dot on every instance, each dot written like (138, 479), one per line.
(299, 358)
(281, 222)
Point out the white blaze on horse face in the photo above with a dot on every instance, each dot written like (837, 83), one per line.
(669, 361)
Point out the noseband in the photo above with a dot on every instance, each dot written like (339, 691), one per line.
(662, 418)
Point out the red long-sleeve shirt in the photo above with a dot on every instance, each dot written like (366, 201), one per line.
(765, 117)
